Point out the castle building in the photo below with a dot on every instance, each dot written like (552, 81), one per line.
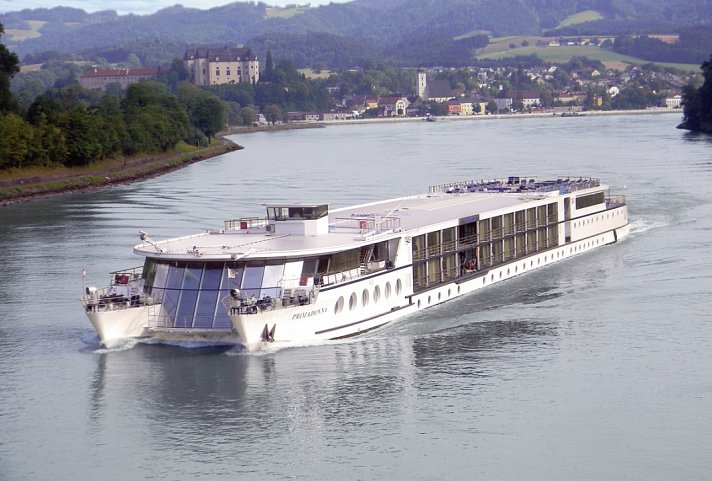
(96, 79)
(217, 66)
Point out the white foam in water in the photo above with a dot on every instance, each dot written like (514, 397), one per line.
(122, 346)
(643, 224)
(271, 348)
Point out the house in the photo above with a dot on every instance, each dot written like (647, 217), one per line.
(393, 105)
(303, 116)
(529, 98)
(453, 107)
(96, 79)
(673, 102)
(439, 91)
(355, 103)
(328, 115)
(218, 66)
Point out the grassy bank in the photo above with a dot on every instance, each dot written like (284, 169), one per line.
(18, 185)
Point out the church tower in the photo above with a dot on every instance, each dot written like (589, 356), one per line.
(422, 85)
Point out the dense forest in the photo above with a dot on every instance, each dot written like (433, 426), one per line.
(693, 46)
(419, 31)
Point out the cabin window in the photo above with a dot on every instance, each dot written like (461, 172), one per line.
(449, 239)
(552, 211)
(321, 211)
(418, 247)
(531, 218)
(309, 267)
(520, 221)
(344, 261)
(508, 224)
(277, 213)
(541, 215)
(589, 200)
(434, 245)
(468, 232)
(496, 227)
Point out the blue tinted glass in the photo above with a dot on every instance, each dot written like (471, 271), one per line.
(208, 296)
(252, 281)
(172, 292)
(189, 295)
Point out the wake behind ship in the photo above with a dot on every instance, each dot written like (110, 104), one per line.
(306, 272)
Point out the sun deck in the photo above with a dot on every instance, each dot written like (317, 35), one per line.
(351, 226)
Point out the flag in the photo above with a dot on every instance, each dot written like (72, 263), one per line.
(231, 274)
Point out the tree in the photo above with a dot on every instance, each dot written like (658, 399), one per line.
(492, 107)
(206, 111)
(248, 115)
(697, 103)
(209, 115)
(269, 67)
(9, 66)
(16, 136)
(273, 113)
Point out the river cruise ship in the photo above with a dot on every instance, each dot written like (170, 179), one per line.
(306, 272)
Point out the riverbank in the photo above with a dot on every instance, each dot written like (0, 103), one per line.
(35, 183)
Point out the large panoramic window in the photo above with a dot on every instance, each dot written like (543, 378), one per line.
(252, 281)
(274, 270)
(208, 295)
(189, 295)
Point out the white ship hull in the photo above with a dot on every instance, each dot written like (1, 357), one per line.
(305, 274)
(321, 322)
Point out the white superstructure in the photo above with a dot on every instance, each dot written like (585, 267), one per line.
(308, 273)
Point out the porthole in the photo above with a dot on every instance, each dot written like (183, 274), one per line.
(458, 289)
(364, 297)
(508, 271)
(418, 303)
(429, 300)
(484, 281)
(399, 287)
(500, 274)
(376, 293)
(352, 301)
(387, 292)
(339, 306)
(538, 261)
(515, 269)
(449, 293)
(531, 264)
(491, 277)
(440, 296)
(546, 258)
(524, 266)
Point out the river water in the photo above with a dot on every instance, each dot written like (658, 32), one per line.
(596, 368)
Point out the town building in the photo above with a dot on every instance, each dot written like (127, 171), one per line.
(674, 102)
(218, 66)
(98, 79)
